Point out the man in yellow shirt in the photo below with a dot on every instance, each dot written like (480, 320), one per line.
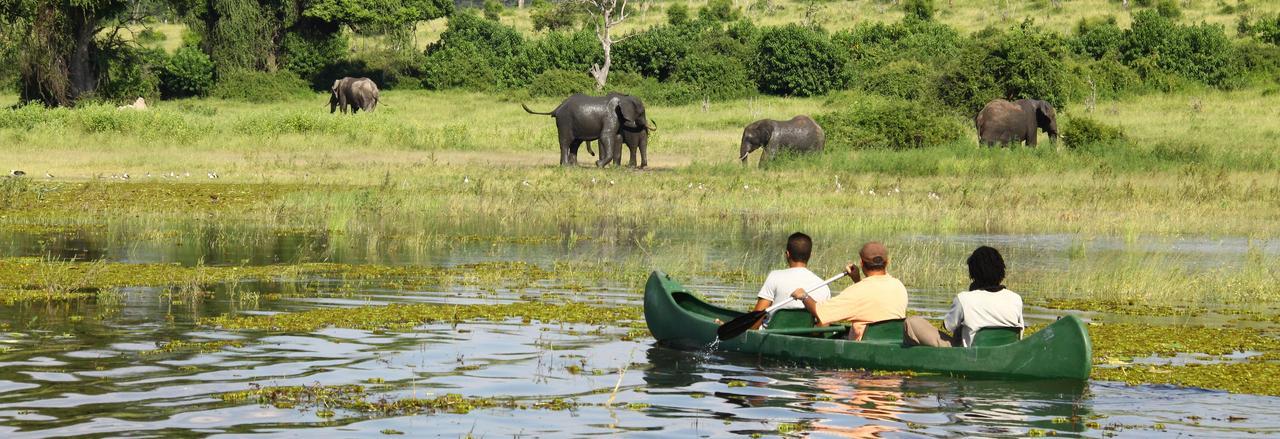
(876, 298)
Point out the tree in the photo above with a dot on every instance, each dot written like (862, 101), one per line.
(605, 15)
(61, 48)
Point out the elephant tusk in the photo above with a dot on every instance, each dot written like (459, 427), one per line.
(744, 156)
(651, 125)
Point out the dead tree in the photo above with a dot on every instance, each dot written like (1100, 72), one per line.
(605, 15)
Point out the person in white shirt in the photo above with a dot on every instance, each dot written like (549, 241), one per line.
(987, 304)
(780, 283)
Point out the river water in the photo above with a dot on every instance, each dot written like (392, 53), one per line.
(84, 368)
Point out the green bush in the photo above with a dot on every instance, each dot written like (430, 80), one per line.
(151, 36)
(1169, 9)
(575, 51)
(462, 66)
(308, 53)
(720, 11)
(132, 73)
(907, 79)
(1266, 28)
(560, 83)
(678, 14)
(888, 123)
(715, 77)
(1201, 52)
(1111, 78)
(492, 9)
(799, 61)
(1082, 131)
(189, 72)
(918, 10)
(253, 86)
(556, 16)
(1022, 62)
(1097, 37)
(655, 52)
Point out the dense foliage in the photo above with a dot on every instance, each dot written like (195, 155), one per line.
(869, 122)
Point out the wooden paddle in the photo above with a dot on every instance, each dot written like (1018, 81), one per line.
(742, 323)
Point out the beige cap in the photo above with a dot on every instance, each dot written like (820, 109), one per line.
(874, 252)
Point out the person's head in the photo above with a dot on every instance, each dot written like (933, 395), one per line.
(986, 267)
(874, 257)
(799, 247)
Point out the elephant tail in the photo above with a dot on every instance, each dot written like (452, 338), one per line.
(589, 151)
(527, 110)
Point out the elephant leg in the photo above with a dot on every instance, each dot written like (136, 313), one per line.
(573, 151)
(608, 147)
(644, 154)
(566, 145)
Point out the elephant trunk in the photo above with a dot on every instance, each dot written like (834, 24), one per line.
(744, 151)
(333, 103)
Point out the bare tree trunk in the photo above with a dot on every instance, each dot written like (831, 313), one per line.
(602, 14)
(520, 4)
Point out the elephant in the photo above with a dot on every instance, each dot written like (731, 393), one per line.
(1003, 122)
(800, 134)
(356, 93)
(612, 119)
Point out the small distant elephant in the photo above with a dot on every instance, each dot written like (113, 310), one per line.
(1002, 122)
(613, 119)
(356, 93)
(800, 134)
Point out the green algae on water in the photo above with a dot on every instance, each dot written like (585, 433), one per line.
(406, 316)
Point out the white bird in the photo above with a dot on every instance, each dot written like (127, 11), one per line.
(466, 179)
(48, 176)
(125, 176)
(700, 186)
(871, 191)
(746, 187)
(526, 183)
(213, 174)
(690, 186)
(16, 173)
(839, 187)
(149, 175)
(593, 180)
(186, 174)
(933, 196)
(611, 183)
(895, 190)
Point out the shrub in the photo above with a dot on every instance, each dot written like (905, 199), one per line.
(1169, 9)
(1097, 37)
(556, 16)
(907, 79)
(795, 60)
(1023, 62)
(1266, 29)
(919, 10)
(720, 11)
(557, 50)
(874, 44)
(1082, 131)
(888, 123)
(678, 14)
(132, 73)
(189, 72)
(560, 83)
(715, 77)
(1201, 52)
(656, 51)
(308, 53)
(253, 86)
(151, 36)
(1110, 77)
(492, 9)
(460, 66)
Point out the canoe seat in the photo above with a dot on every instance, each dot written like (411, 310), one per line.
(791, 318)
(884, 331)
(997, 335)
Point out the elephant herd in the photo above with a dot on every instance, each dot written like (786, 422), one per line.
(616, 119)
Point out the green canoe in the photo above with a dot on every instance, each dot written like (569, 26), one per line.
(678, 319)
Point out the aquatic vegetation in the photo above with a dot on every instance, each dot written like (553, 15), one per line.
(196, 346)
(405, 316)
(355, 398)
(1255, 377)
(1125, 341)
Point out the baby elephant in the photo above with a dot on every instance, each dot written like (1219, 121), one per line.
(800, 134)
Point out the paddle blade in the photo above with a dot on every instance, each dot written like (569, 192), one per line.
(739, 325)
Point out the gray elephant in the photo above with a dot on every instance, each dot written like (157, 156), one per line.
(800, 134)
(354, 93)
(613, 119)
(1002, 122)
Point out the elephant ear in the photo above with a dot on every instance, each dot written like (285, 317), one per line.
(627, 108)
(764, 131)
(336, 83)
(1045, 114)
